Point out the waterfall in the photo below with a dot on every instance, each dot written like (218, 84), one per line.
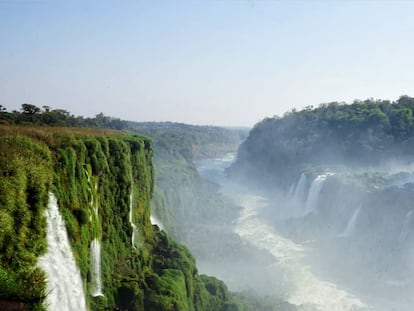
(309, 292)
(95, 264)
(131, 220)
(95, 247)
(288, 276)
(291, 189)
(349, 229)
(94, 202)
(314, 191)
(300, 189)
(155, 221)
(406, 227)
(64, 283)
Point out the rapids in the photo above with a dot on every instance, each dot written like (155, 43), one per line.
(301, 286)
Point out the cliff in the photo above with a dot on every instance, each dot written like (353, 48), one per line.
(339, 178)
(363, 134)
(103, 182)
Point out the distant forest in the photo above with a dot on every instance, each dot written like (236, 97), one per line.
(32, 115)
(368, 132)
(188, 141)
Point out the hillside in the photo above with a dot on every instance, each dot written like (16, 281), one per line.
(195, 212)
(190, 141)
(366, 133)
(339, 180)
(103, 184)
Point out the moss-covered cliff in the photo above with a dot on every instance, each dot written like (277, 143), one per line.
(98, 178)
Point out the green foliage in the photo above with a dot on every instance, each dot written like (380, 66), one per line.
(168, 291)
(181, 197)
(185, 202)
(180, 286)
(92, 175)
(25, 285)
(25, 170)
(361, 133)
(33, 115)
(188, 142)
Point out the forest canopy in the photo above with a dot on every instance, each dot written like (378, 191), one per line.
(33, 115)
(367, 132)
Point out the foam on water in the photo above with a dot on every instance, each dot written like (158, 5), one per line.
(305, 288)
(302, 287)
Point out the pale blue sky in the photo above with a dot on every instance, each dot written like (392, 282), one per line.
(203, 62)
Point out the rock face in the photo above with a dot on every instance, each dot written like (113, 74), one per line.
(12, 305)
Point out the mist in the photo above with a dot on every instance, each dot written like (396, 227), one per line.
(300, 197)
(338, 240)
(315, 216)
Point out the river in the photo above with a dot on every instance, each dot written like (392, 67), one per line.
(291, 278)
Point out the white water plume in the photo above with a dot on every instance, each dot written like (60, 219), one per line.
(300, 189)
(95, 266)
(314, 191)
(94, 201)
(296, 195)
(406, 227)
(64, 283)
(306, 289)
(349, 229)
(291, 190)
(155, 221)
(95, 246)
(131, 220)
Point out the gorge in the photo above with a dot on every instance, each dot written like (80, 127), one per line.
(82, 232)
(290, 220)
(337, 179)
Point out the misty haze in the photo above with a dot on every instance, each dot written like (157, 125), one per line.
(206, 156)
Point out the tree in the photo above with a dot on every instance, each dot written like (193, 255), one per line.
(29, 109)
(30, 114)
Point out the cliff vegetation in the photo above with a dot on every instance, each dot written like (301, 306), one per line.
(93, 174)
(362, 134)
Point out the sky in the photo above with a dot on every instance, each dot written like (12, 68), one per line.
(211, 62)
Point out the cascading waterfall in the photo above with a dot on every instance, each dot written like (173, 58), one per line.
(296, 195)
(349, 229)
(95, 264)
(314, 191)
(64, 283)
(307, 291)
(291, 190)
(155, 221)
(95, 247)
(131, 220)
(406, 227)
(300, 189)
(296, 280)
(95, 202)
(90, 192)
